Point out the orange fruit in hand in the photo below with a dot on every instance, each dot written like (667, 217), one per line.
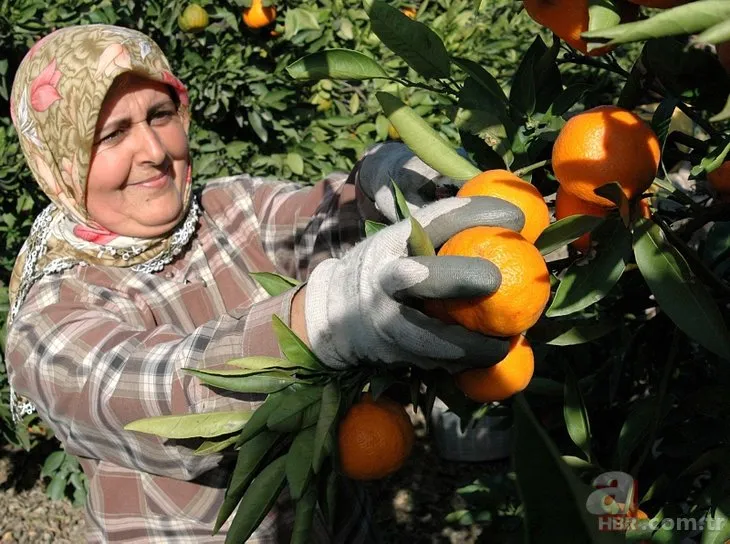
(375, 438)
(567, 204)
(660, 3)
(521, 297)
(569, 19)
(258, 16)
(602, 145)
(509, 376)
(505, 185)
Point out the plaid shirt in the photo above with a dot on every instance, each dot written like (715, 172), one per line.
(98, 347)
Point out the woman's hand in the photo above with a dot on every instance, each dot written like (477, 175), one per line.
(394, 161)
(357, 310)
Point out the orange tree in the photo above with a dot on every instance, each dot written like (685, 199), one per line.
(632, 352)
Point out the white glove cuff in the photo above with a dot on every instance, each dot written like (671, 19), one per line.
(319, 330)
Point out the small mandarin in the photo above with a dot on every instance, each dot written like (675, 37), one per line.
(507, 186)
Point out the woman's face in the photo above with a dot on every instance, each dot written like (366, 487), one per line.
(139, 162)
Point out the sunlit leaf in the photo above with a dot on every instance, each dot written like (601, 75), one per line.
(299, 462)
(293, 347)
(424, 141)
(566, 230)
(336, 64)
(261, 382)
(192, 425)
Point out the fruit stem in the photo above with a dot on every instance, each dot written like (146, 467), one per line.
(530, 167)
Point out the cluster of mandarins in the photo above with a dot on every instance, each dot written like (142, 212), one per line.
(194, 18)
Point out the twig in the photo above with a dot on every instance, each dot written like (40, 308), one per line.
(713, 213)
(595, 63)
(530, 167)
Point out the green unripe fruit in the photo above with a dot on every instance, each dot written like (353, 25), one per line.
(193, 19)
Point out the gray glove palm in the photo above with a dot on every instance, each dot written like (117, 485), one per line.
(394, 160)
(356, 307)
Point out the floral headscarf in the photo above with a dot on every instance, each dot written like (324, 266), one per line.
(55, 102)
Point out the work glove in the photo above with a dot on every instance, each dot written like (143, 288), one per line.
(357, 307)
(395, 161)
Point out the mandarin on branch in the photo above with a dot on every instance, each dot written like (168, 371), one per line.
(567, 204)
(258, 15)
(602, 145)
(507, 186)
(374, 438)
(499, 382)
(522, 295)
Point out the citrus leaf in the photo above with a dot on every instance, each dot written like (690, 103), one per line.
(574, 412)
(569, 333)
(686, 19)
(419, 243)
(257, 423)
(553, 497)
(602, 14)
(328, 496)
(566, 230)
(678, 292)
(292, 346)
(486, 81)
(613, 192)
(717, 523)
(424, 141)
(295, 403)
(586, 284)
(715, 34)
(274, 284)
(213, 446)
(262, 382)
(713, 160)
(192, 425)
(414, 42)
(331, 397)
(373, 227)
(251, 458)
(303, 517)
(301, 420)
(261, 363)
(257, 501)
(633, 431)
(299, 462)
(567, 98)
(401, 204)
(336, 64)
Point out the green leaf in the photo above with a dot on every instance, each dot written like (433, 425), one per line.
(373, 227)
(569, 333)
(295, 404)
(274, 284)
(214, 446)
(686, 19)
(331, 398)
(713, 160)
(56, 489)
(401, 204)
(715, 34)
(301, 420)
(414, 42)
(586, 284)
(717, 523)
(299, 462)
(537, 82)
(192, 425)
(303, 517)
(53, 463)
(553, 498)
(678, 292)
(261, 363)
(602, 14)
(486, 81)
(251, 458)
(292, 346)
(566, 230)
(257, 423)
(424, 141)
(258, 500)
(662, 119)
(295, 163)
(336, 64)
(262, 382)
(634, 429)
(419, 243)
(574, 412)
(257, 125)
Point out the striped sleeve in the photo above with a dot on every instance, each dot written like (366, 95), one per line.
(91, 363)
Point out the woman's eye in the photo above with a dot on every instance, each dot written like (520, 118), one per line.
(111, 136)
(162, 115)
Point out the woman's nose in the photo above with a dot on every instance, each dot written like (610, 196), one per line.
(150, 147)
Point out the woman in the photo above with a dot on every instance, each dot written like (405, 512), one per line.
(129, 276)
